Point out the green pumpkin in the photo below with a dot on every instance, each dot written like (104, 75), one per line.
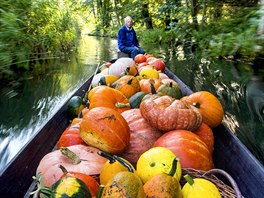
(136, 99)
(75, 105)
(170, 89)
(66, 187)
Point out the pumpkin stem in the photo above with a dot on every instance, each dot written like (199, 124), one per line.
(121, 105)
(113, 158)
(40, 188)
(80, 115)
(100, 191)
(102, 81)
(110, 117)
(174, 167)
(71, 155)
(196, 104)
(189, 179)
(152, 89)
(129, 82)
(107, 156)
(64, 170)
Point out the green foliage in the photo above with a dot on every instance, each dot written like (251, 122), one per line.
(29, 29)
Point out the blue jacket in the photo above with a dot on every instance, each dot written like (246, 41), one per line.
(127, 38)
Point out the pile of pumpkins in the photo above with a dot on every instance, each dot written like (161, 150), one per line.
(135, 135)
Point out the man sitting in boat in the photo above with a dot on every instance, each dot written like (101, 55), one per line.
(127, 39)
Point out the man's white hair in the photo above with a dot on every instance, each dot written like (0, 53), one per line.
(128, 18)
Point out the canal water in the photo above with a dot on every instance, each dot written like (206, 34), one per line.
(26, 105)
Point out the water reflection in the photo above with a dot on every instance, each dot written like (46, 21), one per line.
(26, 105)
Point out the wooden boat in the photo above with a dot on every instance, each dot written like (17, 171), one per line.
(229, 154)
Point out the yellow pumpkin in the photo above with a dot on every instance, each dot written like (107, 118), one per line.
(110, 169)
(123, 183)
(149, 72)
(107, 79)
(155, 161)
(199, 188)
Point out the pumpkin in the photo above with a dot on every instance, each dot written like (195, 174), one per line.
(77, 158)
(163, 76)
(96, 79)
(170, 90)
(209, 106)
(105, 96)
(128, 85)
(159, 65)
(104, 66)
(199, 188)
(75, 105)
(168, 81)
(155, 161)
(140, 58)
(107, 80)
(66, 187)
(112, 167)
(141, 133)
(148, 72)
(189, 147)
(163, 184)
(120, 66)
(136, 99)
(206, 134)
(89, 181)
(145, 84)
(124, 184)
(132, 70)
(71, 136)
(141, 65)
(106, 129)
(166, 113)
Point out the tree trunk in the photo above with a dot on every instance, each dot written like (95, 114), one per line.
(194, 12)
(204, 13)
(146, 16)
(116, 13)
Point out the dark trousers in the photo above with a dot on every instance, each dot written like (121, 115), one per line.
(133, 51)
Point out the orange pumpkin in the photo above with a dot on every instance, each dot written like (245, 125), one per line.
(106, 129)
(141, 134)
(145, 84)
(132, 70)
(167, 113)
(140, 58)
(84, 160)
(189, 147)
(209, 106)
(128, 85)
(206, 134)
(105, 96)
(71, 136)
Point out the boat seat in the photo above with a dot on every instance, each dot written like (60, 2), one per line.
(122, 54)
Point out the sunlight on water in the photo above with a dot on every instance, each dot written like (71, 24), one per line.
(26, 108)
